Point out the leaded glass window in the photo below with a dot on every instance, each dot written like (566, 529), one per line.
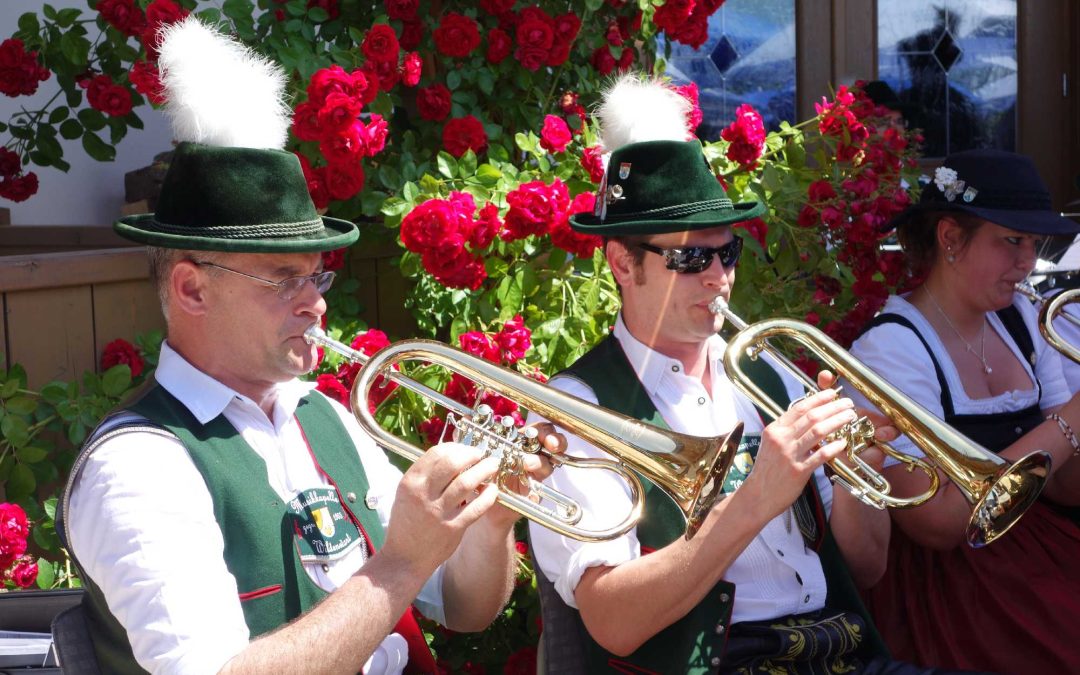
(953, 66)
(749, 57)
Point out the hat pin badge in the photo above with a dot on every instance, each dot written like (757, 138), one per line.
(614, 194)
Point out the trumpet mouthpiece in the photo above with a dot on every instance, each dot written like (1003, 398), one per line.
(718, 305)
(314, 335)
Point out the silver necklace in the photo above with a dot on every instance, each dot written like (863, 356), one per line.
(981, 354)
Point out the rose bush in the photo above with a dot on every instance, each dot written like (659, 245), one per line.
(463, 133)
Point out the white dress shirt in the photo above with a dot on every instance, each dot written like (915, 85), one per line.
(141, 522)
(893, 350)
(775, 575)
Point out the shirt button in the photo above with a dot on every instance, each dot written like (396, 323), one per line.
(779, 553)
(701, 401)
(724, 597)
(674, 369)
(719, 629)
(715, 661)
(351, 497)
(806, 599)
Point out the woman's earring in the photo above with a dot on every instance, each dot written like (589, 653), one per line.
(950, 257)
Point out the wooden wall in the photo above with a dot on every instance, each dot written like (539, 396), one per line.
(61, 308)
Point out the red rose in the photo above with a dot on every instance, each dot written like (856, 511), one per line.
(531, 58)
(331, 7)
(432, 430)
(25, 574)
(567, 26)
(514, 339)
(10, 164)
(19, 189)
(305, 125)
(402, 10)
(370, 341)
(332, 388)
(146, 79)
(538, 33)
(602, 61)
(672, 14)
(808, 217)
(820, 191)
(499, 45)
(160, 13)
(521, 662)
(592, 160)
(626, 59)
(429, 224)
(693, 32)
(453, 266)
(384, 73)
(461, 389)
(534, 208)
(14, 530)
(334, 79)
(746, 136)
(464, 133)
(521, 547)
(19, 69)
(333, 260)
(111, 99)
(345, 147)
(457, 35)
(757, 228)
(464, 206)
(563, 236)
(374, 135)
(123, 15)
(486, 226)
(479, 344)
(121, 351)
(412, 32)
(344, 180)
(381, 44)
(433, 102)
(497, 7)
(694, 116)
(411, 69)
(555, 135)
(338, 113)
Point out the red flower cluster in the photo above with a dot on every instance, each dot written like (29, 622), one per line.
(686, 21)
(592, 160)
(757, 228)
(330, 116)
(555, 135)
(159, 13)
(746, 136)
(542, 40)
(333, 260)
(121, 351)
(123, 15)
(146, 79)
(694, 116)
(457, 35)
(20, 71)
(534, 209)
(15, 185)
(604, 62)
(105, 95)
(15, 565)
(581, 245)
(461, 134)
(573, 112)
(433, 103)
(838, 120)
(339, 385)
(440, 230)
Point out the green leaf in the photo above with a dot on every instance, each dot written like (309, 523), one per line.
(15, 429)
(21, 405)
(467, 164)
(54, 392)
(31, 454)
(59, 114)
(238, 10)
(97, 148)
(453, 79)
(46, 575)
(28, 23)
(77, 433)
(447, 164)
(94, 120)
(116, 380)
(75, 48)
(318, 14)
(67, 17)
(50, 507)
(488, 175)
(9, 388)
(71, 129)
(21, 483)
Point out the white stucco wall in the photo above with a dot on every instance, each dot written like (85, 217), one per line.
(92, 192)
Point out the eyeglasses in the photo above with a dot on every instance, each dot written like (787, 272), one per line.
(287, 289)
(694, 259)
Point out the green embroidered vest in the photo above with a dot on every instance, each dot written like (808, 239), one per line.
(262, 543)
(696, 643)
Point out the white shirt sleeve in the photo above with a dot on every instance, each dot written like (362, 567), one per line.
(142, 524)
(605, 500)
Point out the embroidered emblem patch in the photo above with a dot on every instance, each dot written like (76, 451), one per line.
(322, 530)
(744, 461)
(624, 170)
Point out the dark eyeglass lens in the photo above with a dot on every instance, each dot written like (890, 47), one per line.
(696, 259)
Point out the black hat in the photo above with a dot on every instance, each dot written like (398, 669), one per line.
(1002, 187)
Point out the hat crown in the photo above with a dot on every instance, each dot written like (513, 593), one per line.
(993, 179)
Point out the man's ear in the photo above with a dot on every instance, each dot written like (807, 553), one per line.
(620, 261)
(187, 288)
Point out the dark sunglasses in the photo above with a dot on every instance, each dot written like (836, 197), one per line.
(694, 259)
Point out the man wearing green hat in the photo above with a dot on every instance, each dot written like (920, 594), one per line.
(762, 586)
(230, 518)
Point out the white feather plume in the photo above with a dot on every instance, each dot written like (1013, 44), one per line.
(637, 108)
(219, 92)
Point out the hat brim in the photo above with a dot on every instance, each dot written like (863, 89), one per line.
(589, 223)
(1021, 220)
(335, 234)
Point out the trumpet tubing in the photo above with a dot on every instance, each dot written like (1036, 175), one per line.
(999, 492)
(1051, 309)
(689, 469)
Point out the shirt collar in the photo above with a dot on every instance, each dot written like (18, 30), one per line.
(206, 398)
(651, 366)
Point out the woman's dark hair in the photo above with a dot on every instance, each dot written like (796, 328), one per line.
(918, 236)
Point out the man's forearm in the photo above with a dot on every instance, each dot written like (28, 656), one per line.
(479, 576)
(343, 631)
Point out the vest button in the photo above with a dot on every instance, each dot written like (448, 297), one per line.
(351, 497)
(719, 629)
(674, 369)
(715, 661)
(724, 597)
(371, 501)
(701, 400)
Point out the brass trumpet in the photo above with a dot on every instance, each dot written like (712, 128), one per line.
(999, 492)
(1050, 310)
(689, 469)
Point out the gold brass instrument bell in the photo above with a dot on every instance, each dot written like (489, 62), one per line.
(999, 492)
(689, 469)
(1049, 310)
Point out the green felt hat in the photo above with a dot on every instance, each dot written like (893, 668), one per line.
(655, 187)
(232, 199)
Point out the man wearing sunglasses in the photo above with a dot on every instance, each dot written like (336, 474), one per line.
(231, 518)
(763, 585)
